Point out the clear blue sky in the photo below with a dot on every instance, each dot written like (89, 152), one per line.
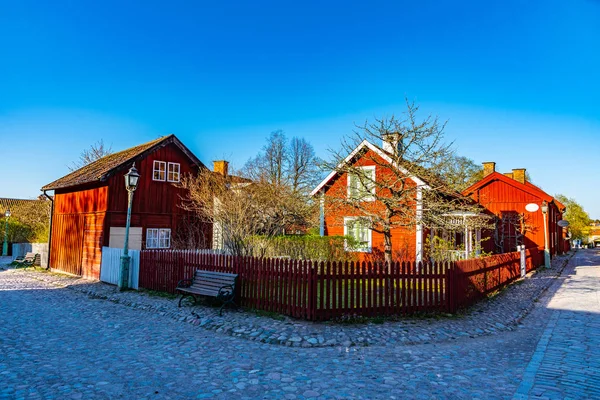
(518, 81)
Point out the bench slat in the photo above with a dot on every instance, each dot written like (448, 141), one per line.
(208, 283)
(217, 274)
(200, 292)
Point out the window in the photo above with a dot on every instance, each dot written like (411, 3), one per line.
(159, 172)
(173, 172)
(158, 238)
(361, 184)
(358, 230)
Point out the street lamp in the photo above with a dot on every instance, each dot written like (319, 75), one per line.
(546, 250)
(131, 182)
(5, 244)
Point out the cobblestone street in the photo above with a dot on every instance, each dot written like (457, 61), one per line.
(566, 363)
(60, 343)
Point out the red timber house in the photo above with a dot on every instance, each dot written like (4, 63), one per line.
(408, 242)
(90, 205)
(506, 196)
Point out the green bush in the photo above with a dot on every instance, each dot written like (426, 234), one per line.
(303, 247)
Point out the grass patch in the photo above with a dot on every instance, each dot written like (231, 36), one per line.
(268, 314)
(156, 293)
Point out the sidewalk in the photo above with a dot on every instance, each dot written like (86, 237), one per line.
(501, 313)
(566, 363)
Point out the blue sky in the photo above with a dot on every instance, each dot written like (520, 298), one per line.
(517, 81)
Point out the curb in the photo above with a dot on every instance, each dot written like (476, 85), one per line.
(270, 336)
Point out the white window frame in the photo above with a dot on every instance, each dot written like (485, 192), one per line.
(155, 170)
(366, 249)
(368, 170)
(154, 239)
(172, 164)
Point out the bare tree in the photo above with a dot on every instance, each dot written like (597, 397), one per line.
(405, 192)
(88, 156)
(292, 164)
(239, 209)
(270, 164)
(303, 167)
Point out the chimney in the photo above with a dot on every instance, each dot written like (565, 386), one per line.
(509, 174)
(221, 167)
(390, 143)
(519, 174)
(488, 168)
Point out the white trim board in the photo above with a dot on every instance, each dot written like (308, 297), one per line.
(379, 152)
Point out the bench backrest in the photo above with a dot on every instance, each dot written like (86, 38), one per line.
(210, 282)
(30, 256)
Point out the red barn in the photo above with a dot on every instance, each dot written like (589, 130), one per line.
(90, 205)
(506, 196)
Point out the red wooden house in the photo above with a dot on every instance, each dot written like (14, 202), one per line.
(407, 242)
(90, 205)
(506, 196)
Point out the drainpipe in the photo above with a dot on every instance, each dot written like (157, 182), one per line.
(50, 235)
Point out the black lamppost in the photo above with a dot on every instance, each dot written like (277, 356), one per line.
(546, 250)
(5, 245)
(131, 182)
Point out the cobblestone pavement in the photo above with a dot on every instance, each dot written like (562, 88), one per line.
(58, 343)
(501, 313)
(566, 363)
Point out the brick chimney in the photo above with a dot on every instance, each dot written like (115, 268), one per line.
(221, 167)
(488, 168)
(509, 174)
(519, 174)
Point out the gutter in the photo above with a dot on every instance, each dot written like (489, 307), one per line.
(50, 235)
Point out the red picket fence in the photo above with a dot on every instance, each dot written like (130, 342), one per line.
(325, 290)
(474, 279)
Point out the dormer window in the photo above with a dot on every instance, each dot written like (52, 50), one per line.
(173, 172)
(361, 184)
(159, 172)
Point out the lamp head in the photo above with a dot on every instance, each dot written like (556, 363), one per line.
(131, 178)
(7, 213)
(544, 207)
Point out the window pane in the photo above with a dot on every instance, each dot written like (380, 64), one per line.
(152, 238)
(159, 171)
(173, 172)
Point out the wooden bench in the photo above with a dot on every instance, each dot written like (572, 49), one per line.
(219, 285)
(28, 259)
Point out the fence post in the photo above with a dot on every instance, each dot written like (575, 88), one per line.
(450, 289)
(312, 292)
(521, 248)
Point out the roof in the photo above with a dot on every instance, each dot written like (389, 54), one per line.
(526, 187)
(427, 183)
(101, 169)
(365, 144)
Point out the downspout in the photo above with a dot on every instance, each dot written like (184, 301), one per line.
(50, 235)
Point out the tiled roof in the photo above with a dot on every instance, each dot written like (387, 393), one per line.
(101, 169)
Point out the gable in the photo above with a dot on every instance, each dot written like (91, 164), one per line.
(504, 187)
(497, 191)
(362, 156)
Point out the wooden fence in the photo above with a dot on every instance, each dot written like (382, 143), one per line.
(325, 290)
(111, 265)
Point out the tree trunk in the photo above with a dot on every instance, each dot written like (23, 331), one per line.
(387, 243)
